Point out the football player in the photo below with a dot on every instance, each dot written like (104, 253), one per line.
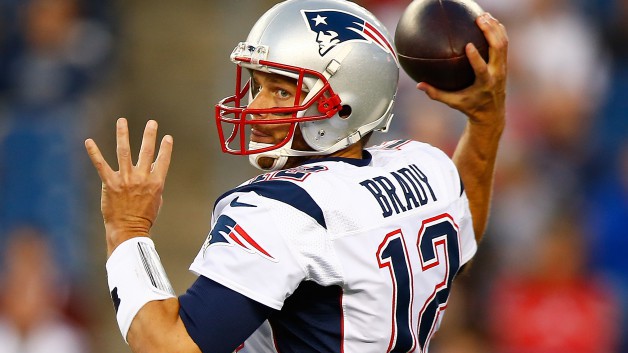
(336, 247)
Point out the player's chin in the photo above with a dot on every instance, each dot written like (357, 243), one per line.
(263, 139)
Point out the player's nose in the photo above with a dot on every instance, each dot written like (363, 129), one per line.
(261, 101)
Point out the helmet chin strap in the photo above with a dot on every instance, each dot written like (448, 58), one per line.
(279, 155)
(279, 160)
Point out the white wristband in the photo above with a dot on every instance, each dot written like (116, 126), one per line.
(135, 276)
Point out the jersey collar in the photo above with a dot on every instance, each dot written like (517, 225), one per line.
(366, 160)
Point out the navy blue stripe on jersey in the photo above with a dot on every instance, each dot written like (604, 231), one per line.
(286, 192)
(217, 318)
(310, 320)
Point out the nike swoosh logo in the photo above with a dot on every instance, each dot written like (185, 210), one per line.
(236, 203)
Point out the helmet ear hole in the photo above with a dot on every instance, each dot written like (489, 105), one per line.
(345, 112)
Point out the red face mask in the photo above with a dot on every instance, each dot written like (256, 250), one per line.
(234, 119)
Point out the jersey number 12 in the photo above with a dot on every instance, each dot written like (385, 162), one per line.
(440, 231)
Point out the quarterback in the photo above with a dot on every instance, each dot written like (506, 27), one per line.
(336, 247)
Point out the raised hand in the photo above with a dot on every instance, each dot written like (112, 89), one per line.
(484, 104)
(484, 101)
(131, 197)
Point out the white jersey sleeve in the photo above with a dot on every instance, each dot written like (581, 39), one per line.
(265, 240)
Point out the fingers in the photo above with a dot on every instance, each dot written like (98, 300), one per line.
(162, 163)
(497, 38)
(102, 167)
(477, 62)
(431, 91)
(147, 150)
(145, 164)
(123, 149)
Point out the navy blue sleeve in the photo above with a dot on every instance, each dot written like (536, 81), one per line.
(217, 318)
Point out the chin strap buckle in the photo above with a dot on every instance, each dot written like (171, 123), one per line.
(329, 105)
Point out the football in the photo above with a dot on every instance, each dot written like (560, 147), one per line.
(430, 39)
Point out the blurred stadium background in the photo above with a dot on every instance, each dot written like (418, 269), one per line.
(550, 276)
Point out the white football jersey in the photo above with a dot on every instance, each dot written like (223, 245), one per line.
(359, 255)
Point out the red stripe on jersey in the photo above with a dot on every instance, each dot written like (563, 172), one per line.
(234, 238)
(250, 240)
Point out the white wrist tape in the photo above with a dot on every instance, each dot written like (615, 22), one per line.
(135, 276)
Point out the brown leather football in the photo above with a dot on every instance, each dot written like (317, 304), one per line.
(430, 39)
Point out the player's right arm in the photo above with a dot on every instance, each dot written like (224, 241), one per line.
(484, 104)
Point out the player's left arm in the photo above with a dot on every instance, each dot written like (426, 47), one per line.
(484, 104)
(209, 316)
(157, 327)
(130, 201)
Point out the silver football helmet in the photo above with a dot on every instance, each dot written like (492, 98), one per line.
(343, 61)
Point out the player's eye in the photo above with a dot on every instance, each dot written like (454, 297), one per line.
(283, 94)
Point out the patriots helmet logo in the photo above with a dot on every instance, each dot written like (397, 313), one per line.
(227, 232)
(333, 27)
